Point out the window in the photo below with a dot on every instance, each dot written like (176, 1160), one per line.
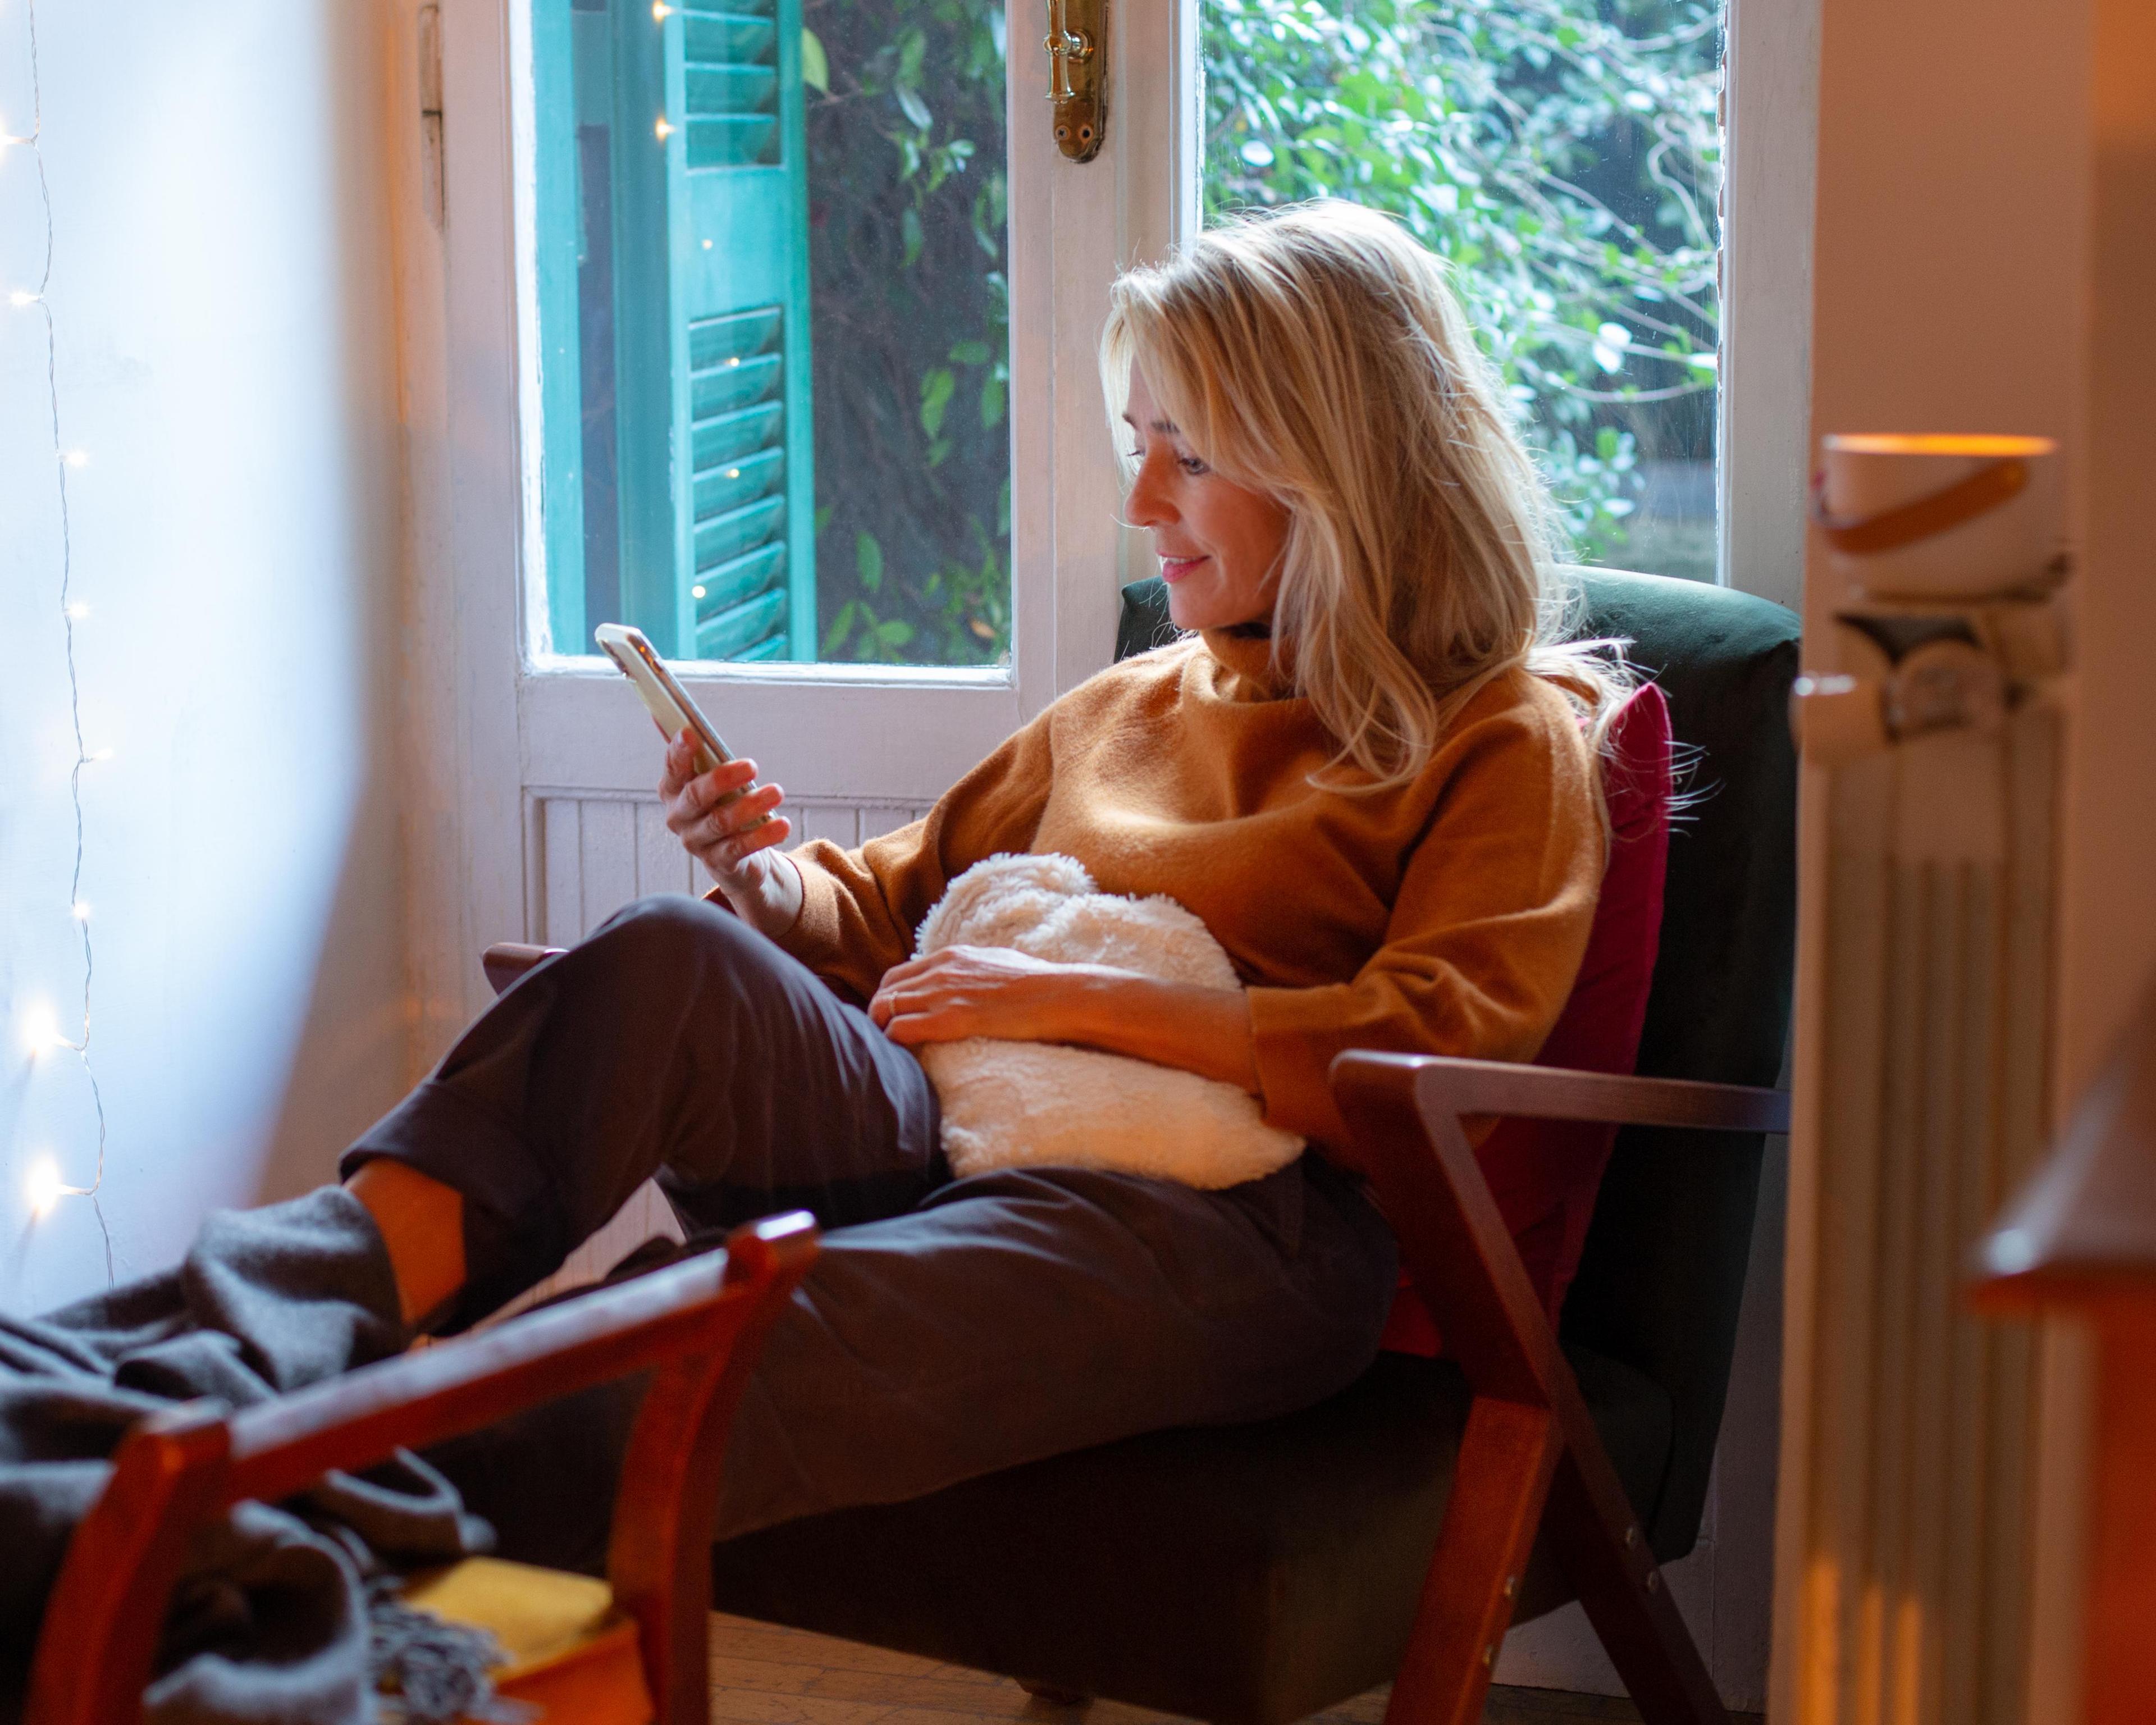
(773, 327)
(1565, 156)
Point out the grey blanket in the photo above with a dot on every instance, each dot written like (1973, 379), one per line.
(271, 1621)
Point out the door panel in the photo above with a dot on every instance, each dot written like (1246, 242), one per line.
(867, 742)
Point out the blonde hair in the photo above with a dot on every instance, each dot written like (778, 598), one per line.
(1316, 354)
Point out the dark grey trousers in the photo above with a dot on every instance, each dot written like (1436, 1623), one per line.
(949, 1328)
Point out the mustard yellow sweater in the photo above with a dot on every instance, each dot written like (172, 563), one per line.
(1448, 916)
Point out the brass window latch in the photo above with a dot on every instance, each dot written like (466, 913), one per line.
(1078, 74)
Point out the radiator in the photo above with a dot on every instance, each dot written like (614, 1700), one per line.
(1910, 1434)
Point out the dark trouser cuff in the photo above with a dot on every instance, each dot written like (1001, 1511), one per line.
(514, 1233)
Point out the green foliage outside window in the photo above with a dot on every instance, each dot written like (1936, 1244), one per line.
(1563, 155)
(907, 261)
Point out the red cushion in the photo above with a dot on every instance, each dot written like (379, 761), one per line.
(1545, 1173)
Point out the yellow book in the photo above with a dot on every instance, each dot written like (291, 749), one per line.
(569, 1652)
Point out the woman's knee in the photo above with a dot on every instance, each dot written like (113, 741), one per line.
(669, 935)
(670, 921)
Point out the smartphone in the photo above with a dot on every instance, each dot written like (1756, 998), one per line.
(664, 698)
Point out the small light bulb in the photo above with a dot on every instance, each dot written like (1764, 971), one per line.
(733, 473)
(660, 11)
(77, 610)
(43, 1187)
(733, 359)
(77, 457)
(80, 907)
(102, 754)
(707, 245)
(665, 129)
(695, 592)
(22, 296)
(40, 1031)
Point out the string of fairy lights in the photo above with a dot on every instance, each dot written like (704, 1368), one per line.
(44, 1186)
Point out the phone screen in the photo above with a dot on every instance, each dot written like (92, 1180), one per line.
(669, 705)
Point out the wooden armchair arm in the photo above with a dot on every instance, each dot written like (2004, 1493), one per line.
(505, 961)
(1529, 1440)
(1404, 1112)
(1555, 1093)
(696, 1325)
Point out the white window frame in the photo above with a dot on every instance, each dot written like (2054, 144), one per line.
(1769, 151)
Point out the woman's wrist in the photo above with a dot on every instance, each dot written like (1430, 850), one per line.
(1202, 1030)
(767, 892)
(1080, 1004)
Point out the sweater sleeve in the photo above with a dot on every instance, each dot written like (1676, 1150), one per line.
(1486, 934)
(860, 908)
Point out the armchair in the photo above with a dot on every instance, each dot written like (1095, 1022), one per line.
(1253, 1574)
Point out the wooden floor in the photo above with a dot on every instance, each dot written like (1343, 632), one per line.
(762, 1675)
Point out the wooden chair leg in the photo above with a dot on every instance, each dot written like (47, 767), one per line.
(660, 1558)
(1621, 1587)
(1509, 1451)
(1055, 1695)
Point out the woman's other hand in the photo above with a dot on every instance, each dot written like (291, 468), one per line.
(762, 884)
(995, 991)
(988, 991)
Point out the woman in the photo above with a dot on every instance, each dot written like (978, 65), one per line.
(1364, 768)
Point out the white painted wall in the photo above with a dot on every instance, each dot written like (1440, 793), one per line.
(225, 358)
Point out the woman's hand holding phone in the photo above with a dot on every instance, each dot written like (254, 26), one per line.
(713, 814)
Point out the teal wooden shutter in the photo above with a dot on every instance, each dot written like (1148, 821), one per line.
(689, 124)
(744, 443)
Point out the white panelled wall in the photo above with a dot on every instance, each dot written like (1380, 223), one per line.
(589, 853)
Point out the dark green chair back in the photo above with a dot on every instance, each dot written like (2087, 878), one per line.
(1663, 1277)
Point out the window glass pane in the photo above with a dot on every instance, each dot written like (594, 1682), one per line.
(1565, 156)
(773, 353)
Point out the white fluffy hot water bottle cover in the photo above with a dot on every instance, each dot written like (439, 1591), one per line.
(1021, 1104)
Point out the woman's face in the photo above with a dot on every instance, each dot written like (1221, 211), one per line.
(1219, 545)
